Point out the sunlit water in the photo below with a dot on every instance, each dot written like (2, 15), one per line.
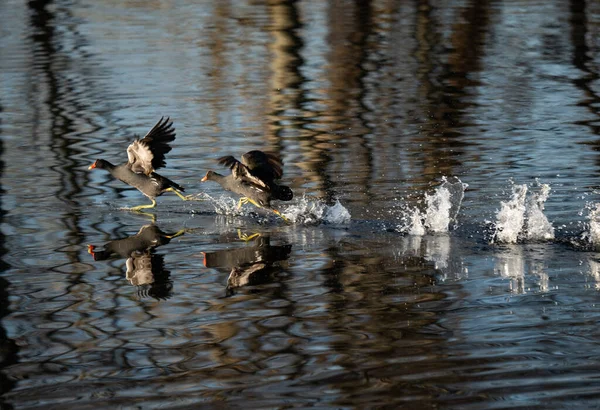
(442, 250)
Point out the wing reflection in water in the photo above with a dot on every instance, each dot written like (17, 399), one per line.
(251, 265)
(144, 268)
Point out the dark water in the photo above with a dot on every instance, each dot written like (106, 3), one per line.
(387, 290)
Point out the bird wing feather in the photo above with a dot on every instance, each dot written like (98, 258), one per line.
(264, 165)
(242, 173)
(148, 154)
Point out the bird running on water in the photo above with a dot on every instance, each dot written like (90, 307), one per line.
(253, 178)
(144, 156)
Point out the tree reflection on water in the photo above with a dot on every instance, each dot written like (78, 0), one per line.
(371, 105)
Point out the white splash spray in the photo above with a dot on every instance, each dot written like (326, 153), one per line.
(415, 226)
(593, 233)
(226, 205)
(437, 214)
(594, 272)
(441, 210)
(511, 216)
(537, 226)
(337, 214)
(519, 218)
(303, 211)
(310, 212)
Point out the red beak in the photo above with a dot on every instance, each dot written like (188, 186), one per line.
(92, 166)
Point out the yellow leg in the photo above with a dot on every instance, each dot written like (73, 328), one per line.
(176, 192)
(245, 200)
(176, 234)
(140, 207)
(245, 237)
(276, 212)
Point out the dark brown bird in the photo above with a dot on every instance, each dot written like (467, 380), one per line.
(144, 156)
(254, 179)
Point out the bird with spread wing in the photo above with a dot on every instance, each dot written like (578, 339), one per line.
(145, 155)
(254, 178)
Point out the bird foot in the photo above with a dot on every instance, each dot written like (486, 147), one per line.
(245, 237)
(176, 234)
(243, 200)
(282, 216)
(176, 192)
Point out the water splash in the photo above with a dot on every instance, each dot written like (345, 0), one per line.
(510, 219)
(305, 211)
(594, 272)
(199, 196)
(456, 188)
(441, 209)
(437, 214)
(311, 212)
(226, 205)
(520, 218)
(537, 226)
(592, 235)
(337, 214)
(415, 226)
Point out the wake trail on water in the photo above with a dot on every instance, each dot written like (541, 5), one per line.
(520, 218)
(305, 211)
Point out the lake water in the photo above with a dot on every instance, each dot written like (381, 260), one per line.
(443, 245)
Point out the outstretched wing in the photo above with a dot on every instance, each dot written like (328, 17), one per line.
(147, 154)
(242, 173)
(263, 165)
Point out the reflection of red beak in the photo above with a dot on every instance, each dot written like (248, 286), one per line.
(91, 251)
(92, 166)
(204, 259)
(205, 178)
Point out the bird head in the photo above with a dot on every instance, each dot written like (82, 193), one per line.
(208, 176)
(99, 163)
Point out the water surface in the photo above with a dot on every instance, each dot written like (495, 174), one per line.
(443, 250)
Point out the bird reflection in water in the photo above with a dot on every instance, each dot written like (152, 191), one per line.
(250, 265)
(145, 268)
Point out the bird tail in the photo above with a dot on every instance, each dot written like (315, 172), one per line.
(167, 183)
(177, 186)
(283, 193)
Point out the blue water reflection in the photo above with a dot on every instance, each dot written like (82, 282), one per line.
(413, 274)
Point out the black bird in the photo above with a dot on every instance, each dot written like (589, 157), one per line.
(144, 156)
(254, 179)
